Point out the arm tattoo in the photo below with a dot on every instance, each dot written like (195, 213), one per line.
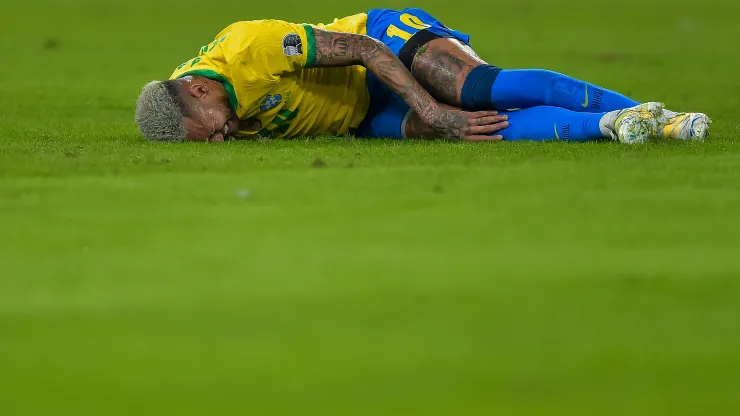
(345, 49)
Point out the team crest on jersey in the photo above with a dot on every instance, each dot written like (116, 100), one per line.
(270, 102)
(292, 45)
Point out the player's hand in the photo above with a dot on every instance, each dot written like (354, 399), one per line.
(463, 125)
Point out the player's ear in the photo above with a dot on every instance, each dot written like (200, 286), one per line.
(198, 90)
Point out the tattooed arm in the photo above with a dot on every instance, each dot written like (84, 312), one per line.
(345, 49)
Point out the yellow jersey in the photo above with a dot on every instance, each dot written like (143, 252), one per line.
(265, 67)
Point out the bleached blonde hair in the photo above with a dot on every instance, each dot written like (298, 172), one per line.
(159, 111)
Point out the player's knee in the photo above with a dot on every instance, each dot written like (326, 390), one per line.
(476, 90)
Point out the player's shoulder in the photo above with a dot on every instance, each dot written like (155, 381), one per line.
(256, 26)
(248, 33)
(355, 23)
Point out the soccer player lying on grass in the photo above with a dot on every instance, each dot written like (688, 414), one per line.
(387, 73)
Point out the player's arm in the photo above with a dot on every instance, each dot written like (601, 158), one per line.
(345, 49)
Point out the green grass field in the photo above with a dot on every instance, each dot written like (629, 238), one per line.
(366, 277)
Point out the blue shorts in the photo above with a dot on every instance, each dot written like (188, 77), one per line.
(387, 110)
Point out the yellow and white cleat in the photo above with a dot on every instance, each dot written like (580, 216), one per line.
(686, 126)
(637, 124)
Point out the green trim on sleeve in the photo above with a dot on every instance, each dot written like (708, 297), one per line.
(210, 74)
(311, 47)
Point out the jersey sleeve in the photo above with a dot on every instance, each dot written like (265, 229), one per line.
(271, 48)
(212, 59)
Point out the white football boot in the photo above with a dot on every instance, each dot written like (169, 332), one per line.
(637, 124)
(686, 126)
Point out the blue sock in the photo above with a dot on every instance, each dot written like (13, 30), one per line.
(552, 123)
(524, 88)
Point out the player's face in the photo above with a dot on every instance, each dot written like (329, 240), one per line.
(211, 120)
